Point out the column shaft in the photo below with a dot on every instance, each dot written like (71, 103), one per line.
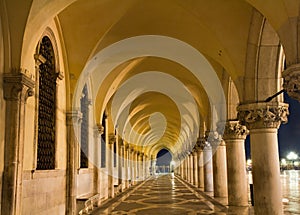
(208, 169)
(265, 171)
(17, 88)
(220, 171)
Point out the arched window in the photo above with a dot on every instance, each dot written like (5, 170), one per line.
(84, 143)
(46, 105)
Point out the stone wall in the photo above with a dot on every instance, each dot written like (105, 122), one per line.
(85, 182)
(44, 192)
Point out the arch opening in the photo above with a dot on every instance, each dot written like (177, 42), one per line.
(164, 161)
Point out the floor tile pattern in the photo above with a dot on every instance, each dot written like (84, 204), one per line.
(163, 194)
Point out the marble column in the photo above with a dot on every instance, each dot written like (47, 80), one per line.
(140, 166)
(126, 165)
(263, 120)
(135, 163)
(98, 130)
(200, 145)
(219, 165)
(234, 136)
(195, 168)
(188, 164)
(110, 164)
(120, 164)
(17, 88)
(191, 168)
(208, 168)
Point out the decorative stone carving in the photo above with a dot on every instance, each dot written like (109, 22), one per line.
(292, 81)
(263, 114)
(234, 130)
(213, 138)
(73, 117)
(17, 86)
(99, 128)
(112, 139)
(200, 144)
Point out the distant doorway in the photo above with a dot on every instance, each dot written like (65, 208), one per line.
(163, 162)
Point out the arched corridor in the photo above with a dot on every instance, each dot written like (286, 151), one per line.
(106, 103)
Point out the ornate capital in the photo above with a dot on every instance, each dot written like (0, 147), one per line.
(292, 81)
(200, 143)
(263, 114)
(234, 130)
(17, 86)
(213, 138)
(100, 128)
(73, 117)
(112, 138)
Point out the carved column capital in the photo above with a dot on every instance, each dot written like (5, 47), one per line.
(99, 128)
(213, 138)
(234, 130)
(200, 144)
(74, 116)
(292, 81)
(112, 138)
(17, 86)
(263, 114)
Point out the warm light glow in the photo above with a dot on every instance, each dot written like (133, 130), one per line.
(292, 156)
(249, 162)
(283, 161)
(296, 163)
(172, 163)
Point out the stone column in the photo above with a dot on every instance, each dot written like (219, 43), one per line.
(73, 120)
(234, 136)
(219, 165)
(110, 164)
(188, 167)
(126, 166)
(17, 88)
(140, 166)
(200, 145)
(195, 168)
(263, 120)
(135, 165)
(98, 130)
(145, 170)
(120, 164)
(191, 168)
(131, 164)
(208, 168)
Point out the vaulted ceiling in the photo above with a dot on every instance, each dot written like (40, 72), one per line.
(155, 66)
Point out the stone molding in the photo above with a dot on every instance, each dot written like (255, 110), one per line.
(292, 81)
(17, 86)
(234, 130)
(263, 114)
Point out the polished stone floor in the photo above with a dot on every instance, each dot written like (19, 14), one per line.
(165, 194)
(291, 191)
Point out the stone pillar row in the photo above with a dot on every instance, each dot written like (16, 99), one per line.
(219, 161)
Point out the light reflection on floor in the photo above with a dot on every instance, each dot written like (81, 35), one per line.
(166, 194)
(290, 190)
